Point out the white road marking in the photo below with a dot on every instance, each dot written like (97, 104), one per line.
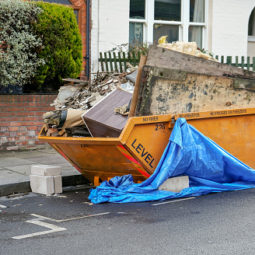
(88, 203)
(173, 201)
(52, 228)
(3, 206)
(60, 196)
(69, 219)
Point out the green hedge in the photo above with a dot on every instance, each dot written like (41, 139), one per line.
(18, 42)
(62, 46)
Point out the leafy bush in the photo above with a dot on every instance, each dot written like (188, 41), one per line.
(62, 46)
(18, 43)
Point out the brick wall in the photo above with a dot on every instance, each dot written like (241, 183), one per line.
(80, 5)
(21, 120)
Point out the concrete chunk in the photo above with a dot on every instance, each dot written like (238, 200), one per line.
(45, 170)
(42, 184)
(175, 184)
(58, 184)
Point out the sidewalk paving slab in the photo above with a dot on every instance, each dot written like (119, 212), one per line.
(15, 169)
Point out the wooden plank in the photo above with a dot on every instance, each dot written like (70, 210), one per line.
(129, 57)
(101, 61)
(106, 63)
(248, 64)
(134, 58)
(229, 60)
(163, 58)
(138, 57)
(115, 62)
(124, 61)
(137, 86)
(222, 59)
(236, 62)
(75, 81)
(111, 62)
(120, 62)
(242, 61)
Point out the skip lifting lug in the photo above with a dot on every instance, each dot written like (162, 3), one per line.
(171, 124)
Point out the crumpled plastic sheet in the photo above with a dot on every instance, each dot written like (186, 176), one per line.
(210, 169)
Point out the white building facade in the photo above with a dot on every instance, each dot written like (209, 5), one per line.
(223, 27)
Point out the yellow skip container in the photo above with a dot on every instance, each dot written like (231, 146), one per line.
(138, 149)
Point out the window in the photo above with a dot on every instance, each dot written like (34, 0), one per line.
(137, 22)
(167, 19)
(180, 20)
(137, 9)
(167, 10)
(251, 29)
(196, 35)
(197, 11)
(197, 21)
(171, 31)
(135, 34)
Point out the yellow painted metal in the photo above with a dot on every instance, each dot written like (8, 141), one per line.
(233, 130)
(146, 137)
(138, 149)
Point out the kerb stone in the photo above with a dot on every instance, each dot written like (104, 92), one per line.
(175, 184)
(45, 170)
(42, 184)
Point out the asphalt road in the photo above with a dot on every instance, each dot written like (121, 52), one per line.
(220, 223)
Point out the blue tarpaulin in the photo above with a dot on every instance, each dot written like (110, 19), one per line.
(209, 167)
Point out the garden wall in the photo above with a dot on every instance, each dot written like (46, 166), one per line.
(21, 120)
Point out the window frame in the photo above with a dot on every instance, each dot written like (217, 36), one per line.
(184, 24)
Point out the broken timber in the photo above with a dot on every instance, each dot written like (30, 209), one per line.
(173, 82)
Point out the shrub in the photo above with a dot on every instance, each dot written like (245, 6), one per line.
(62, 46)
(18, 43)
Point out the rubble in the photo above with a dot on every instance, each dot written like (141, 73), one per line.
(85, 96)
(76, 99)
(190, 48)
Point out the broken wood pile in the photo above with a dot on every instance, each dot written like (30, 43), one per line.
(78, 97)
(85, 96)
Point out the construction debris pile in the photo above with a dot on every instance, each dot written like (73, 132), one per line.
(85, 96)
(176, 78)
(217, 99)
(75, 100)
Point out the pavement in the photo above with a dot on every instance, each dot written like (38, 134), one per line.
(219, 223)
(15, 169)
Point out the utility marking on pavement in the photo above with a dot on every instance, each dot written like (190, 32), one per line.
(3, 206)
(52, 228)
(69, 219)
(173, 201)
